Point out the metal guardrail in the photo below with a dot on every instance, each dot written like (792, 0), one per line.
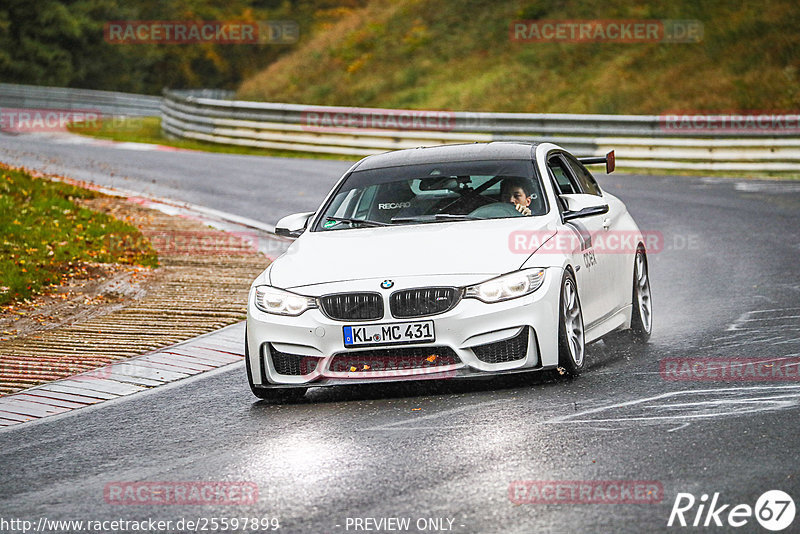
(62, 98)
(640, 141)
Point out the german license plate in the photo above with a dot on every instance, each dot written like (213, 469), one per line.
(389, 334)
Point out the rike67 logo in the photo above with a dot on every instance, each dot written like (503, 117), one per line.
(774, 510)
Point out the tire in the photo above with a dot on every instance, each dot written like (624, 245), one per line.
(642, 312)
(571, 339)
(265, 393)
(641, 307)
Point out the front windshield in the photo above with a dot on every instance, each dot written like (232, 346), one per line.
(430, 193)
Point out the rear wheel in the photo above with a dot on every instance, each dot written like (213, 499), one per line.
(641, 307)
(273, 394)
(571, 344)
(642, 312)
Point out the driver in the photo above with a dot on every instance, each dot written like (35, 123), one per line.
(515, 190)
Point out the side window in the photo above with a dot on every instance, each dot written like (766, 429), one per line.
(342, 205)
(586, 181)
(561, 174)
(365, 202)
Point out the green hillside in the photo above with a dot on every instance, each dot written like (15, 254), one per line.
(458, 55)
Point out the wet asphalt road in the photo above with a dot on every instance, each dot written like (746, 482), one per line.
(264, 189)
(725, 285)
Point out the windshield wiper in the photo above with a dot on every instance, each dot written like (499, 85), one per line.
(365, 222)
(436, 217)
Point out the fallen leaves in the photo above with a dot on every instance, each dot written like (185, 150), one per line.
(45, 233)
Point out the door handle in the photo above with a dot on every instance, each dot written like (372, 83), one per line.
(606, 223)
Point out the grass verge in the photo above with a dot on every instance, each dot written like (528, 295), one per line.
(46, 236)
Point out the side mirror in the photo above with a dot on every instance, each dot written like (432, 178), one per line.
(293, 225)
(579, 205)
(585, 212)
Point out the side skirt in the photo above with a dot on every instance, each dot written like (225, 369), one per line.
(618, 319)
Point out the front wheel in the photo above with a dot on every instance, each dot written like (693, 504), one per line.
(571, 343)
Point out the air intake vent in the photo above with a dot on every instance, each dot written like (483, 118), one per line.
(509, 350)
(292, 364)
(398, 359)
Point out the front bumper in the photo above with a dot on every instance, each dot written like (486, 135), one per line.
(472, 339)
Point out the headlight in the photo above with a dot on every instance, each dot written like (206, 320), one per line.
(273, 300)
(507, 286)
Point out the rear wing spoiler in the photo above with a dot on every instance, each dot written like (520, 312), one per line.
(609, 159)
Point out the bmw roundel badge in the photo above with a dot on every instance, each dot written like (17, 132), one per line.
(386, 284)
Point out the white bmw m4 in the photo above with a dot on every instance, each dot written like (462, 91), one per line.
(449, 262)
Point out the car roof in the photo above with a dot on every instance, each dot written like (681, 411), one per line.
(445, 153)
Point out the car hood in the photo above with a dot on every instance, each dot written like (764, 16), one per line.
(464, 247)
